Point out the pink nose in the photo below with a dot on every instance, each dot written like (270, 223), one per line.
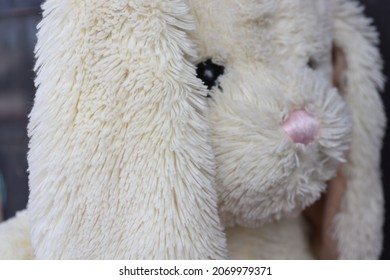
(301, 127)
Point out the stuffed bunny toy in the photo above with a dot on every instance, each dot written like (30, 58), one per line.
(198, 129)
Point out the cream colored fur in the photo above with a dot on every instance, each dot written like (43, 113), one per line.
(129, 159)
(16, 239)
(358, 227)
(120, 164)
(287, 239)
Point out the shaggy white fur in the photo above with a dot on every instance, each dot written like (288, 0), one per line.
(120, 163)
(128, 159)
(358, 226)
(16, 239)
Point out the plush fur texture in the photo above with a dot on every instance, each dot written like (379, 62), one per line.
(129, 159)
(358, 226)
(120, 164)
(286, 239)
(16, 239)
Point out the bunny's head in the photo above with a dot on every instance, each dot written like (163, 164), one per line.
(156, 123)
(279, 128)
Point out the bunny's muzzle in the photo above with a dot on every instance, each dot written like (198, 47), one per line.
(276, 141)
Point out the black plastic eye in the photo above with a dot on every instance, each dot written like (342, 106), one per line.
(209, 72)
(312, 63)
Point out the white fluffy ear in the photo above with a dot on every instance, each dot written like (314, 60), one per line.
(120, 162)
(358, 224)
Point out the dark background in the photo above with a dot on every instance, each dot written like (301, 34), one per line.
(18, 20)
(379, 10)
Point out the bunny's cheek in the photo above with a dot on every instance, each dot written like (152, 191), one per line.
(301, 127)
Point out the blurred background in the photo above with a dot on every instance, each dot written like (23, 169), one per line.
(18, 20)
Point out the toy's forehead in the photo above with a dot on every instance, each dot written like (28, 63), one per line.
(260, 29)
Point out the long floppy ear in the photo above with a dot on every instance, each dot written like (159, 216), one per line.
(352, 210)
(358, 225)
(120, 162)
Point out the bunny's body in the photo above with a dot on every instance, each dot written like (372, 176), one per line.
(286, 239)
(132, 160)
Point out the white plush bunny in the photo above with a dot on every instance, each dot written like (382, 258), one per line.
(198, 129)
